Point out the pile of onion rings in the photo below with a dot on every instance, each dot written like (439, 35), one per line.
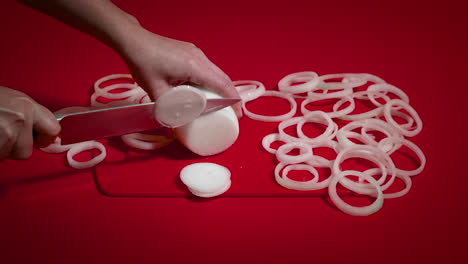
(109, 91)
(353, 140)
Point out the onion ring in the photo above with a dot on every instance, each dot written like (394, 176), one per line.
(286, 123)
(406, 131)
(401, 141)
(97, 84)
(83, 146)
(277, 118)
(385, 88)
(270, 138)
(249, 90)
(349, 81)
(311, 80)
(370, 153)
(305, 153)
(347, 208)
(321, 162)
(321, 118)
(288, 183)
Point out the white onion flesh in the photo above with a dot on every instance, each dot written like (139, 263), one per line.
(211, 133)
(277, 118)
(310, 81)
(354, 210)
(374, 182)
(206, 179)
(84, 146)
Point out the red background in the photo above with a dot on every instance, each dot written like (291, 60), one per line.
(50, 213)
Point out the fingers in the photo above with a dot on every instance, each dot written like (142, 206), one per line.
(8, 136)
(22, 148)
(210, 76)
(44, 122)
(158, 88)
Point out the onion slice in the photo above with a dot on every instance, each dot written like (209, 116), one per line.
(277, 118)
(354, 210)
(205, 179)
(83, 146)
(310, 79)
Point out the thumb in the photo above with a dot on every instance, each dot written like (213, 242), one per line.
(217, 81)
(45, 122)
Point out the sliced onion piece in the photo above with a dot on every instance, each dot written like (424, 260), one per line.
(83, 146)
(288, 183)
(370, 190)
(305, 153)
(131, 90)
(354, 210)
(384, 88)
(336, 106)
(404, 142)
(389, 113)
(278, 118)
(168, 110)
(371, 78)
(206, 179)
(321, 118)
(373, 125)
(366, 115)
(145, 141)
(321, 162)
(249, 90)
(98, 83)
(310, 79)
(344, 111)
(286, 123)
(57, 147)
(349, 81)
(370, 153)
(269, 139)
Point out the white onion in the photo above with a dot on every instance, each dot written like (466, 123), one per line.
(211, 133)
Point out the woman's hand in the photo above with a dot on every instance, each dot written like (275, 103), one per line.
(19, 116)
(158, 63)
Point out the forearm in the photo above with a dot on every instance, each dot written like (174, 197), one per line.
(98, 18)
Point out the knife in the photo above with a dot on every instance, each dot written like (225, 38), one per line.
(115, 121)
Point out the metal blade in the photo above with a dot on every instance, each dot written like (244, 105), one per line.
(116, 121)
(108, 122)
(218, 104)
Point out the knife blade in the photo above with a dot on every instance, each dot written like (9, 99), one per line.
(115, 121)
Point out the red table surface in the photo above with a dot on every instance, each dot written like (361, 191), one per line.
(50, 213)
